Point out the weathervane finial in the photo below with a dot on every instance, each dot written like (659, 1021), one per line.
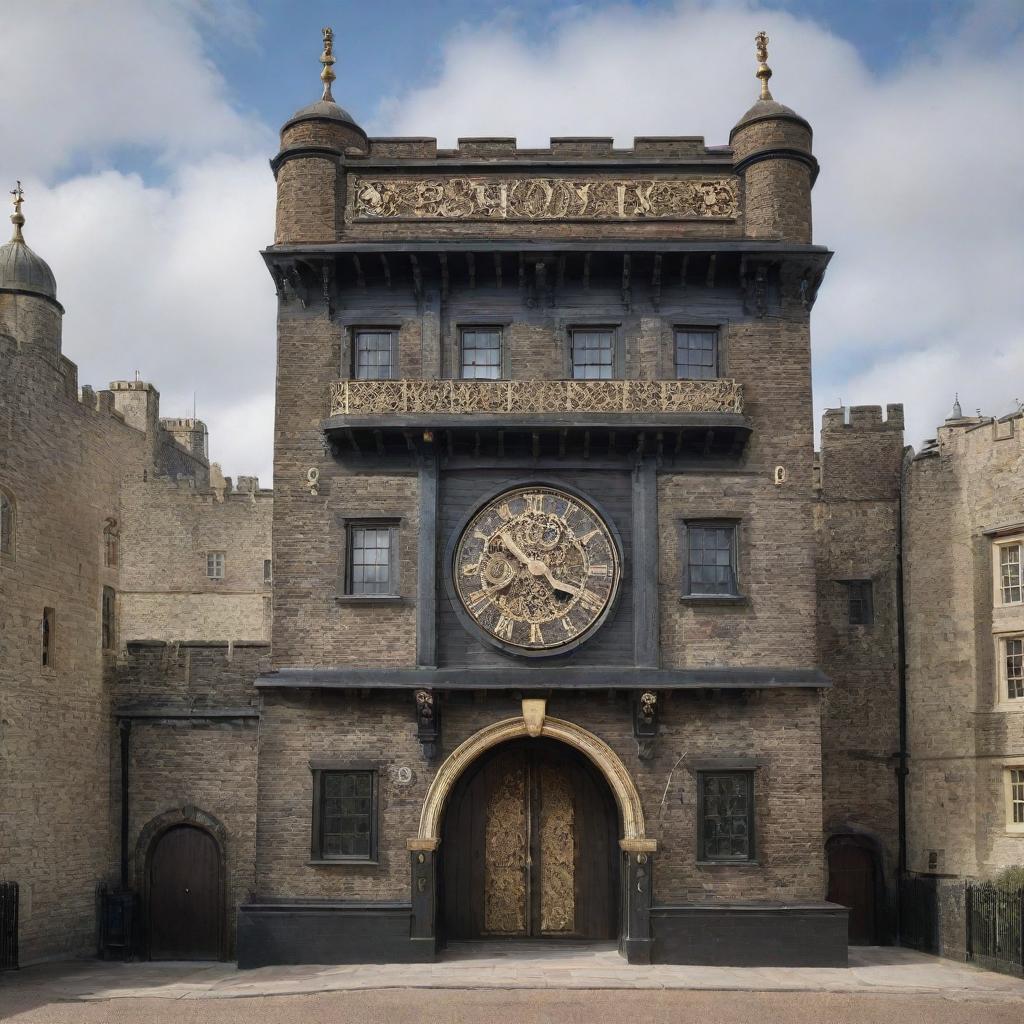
(763, 71)
(327, 59)
(17, 218)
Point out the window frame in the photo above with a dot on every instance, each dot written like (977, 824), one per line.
(223, 565)
(268, 570)
(392, 523)
(747, 773)
(869, 620)
(9, 537)
(999, 544)
(1002, 640)
(713, 329)
(108, 619)
(470, 328)
(320, 769)
(353, 355)
(618, 363)
(687, 526)
(1015, 828)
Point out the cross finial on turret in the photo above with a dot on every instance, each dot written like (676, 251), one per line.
(763, 71)
(327, 59)
(17, 218)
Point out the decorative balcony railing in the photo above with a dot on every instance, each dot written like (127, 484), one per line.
(383, 397)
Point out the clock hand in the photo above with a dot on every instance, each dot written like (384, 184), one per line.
(535, 565)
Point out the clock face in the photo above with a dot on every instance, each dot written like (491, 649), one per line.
(537, 568)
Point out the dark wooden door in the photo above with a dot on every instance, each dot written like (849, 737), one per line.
(851, 883)
(185, 903)
(530, 848)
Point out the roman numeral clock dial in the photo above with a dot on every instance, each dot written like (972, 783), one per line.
(537, 569)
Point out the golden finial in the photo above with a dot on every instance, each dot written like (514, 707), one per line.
(327, 59)
(763, 71)
(17, 218)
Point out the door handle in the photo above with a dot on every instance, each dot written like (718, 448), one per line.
(187, 890)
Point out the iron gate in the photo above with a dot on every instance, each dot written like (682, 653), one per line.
(8, 925)
(995, 927)
(919, 913)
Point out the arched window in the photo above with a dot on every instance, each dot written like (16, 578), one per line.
(110, 544)
(7, 523)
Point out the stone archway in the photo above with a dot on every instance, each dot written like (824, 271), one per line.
(637, 848)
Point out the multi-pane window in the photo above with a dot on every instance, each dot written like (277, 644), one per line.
(481, 354)
(593, 354)
(696, 354)
(48, 639)
(1013, 659)
(345, 818)
(215, 565)
(110, 544)
(372, 568)
(1010, 573)
(1016, 795)
(6, 524)
(268, 570)
(726, 815)
(108, 619)
(372, 355)
(860, 602)
(711, 559)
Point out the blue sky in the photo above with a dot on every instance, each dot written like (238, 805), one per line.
(142, 130)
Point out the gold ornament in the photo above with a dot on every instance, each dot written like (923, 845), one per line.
(537, 568)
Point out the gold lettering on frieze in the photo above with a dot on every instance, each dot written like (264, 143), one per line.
(552, 198)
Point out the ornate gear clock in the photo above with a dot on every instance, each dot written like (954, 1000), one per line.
(537, 568)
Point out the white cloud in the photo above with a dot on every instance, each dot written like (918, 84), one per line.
(920, 191)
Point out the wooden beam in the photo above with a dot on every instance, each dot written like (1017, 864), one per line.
(641, 443)
(709, 440)
(710, 280)
(561, 271)
(386, 267)
(471, 267)
(627, 298)
(417, 278)
(450, 441)
(360, 279)
(683, 268)
(443, 257)
(476, 443)
(611, 441)
(656, 281)
(378, 440)
(501, 444)
(409, 443)
(679, 442)
(351, 438)
(562, 434)
(536, 444)
(497, 269)
(522, 270)
(586, 271)
(586, 444)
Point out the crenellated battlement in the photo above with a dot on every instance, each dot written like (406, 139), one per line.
(646, 148)
(862, 417)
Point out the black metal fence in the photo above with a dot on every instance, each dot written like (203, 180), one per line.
(8, 925)
(995, 927)
(919, 913)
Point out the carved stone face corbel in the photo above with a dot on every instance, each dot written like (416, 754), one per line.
(645, 723)
(428, 722)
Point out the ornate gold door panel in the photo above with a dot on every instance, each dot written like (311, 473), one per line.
(506, 850)
(557, 851)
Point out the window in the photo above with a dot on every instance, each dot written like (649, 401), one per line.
(48, 637)
(268, 571)
(726, 816)
(696, 354)
(108, 619)
(344, 815)
(860, 602)
(6, 524)
(371, 355)
(593, 353)
(372, 565)
(711, 559)
(1013, 666)
(110, 544)
(1015, 799)
(1010, 573)
(215, 565)
(481, 353)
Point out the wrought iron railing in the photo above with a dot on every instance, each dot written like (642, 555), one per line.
(380, 397)
(995, 926)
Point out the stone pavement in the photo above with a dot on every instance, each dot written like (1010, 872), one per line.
(507, 965)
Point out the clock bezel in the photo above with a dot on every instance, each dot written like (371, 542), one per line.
(470, 623)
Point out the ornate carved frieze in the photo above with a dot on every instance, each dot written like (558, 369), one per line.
(381, 397)
(551, 198)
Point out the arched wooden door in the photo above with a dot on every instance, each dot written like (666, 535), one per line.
(529, 847)
(185, 905)
(851, 883)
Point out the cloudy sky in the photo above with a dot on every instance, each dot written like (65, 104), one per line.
(141, 131)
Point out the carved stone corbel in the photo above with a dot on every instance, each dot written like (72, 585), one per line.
(428, 723)
(754, 282)
(645, 723)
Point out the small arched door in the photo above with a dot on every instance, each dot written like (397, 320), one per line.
(851, 883)
(185, 895)
(529, 847)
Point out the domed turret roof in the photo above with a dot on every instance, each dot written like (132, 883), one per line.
(21, 270)
(325, 107)
(766, 106)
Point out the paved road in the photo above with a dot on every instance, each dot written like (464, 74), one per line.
(439, 1006)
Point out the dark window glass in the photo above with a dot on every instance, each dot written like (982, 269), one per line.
(861, 605)
(48, 639)
(347, 816)
(370, 561)
(1014, 651)
(696, 354)
(726, 815)
(372, 355)
(6, 524)
(108, 618)
(481, 354)
(268, 571)
(593, 355)
(711, 567)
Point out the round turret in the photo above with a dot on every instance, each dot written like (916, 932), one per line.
(21, 270)
(771, 146)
